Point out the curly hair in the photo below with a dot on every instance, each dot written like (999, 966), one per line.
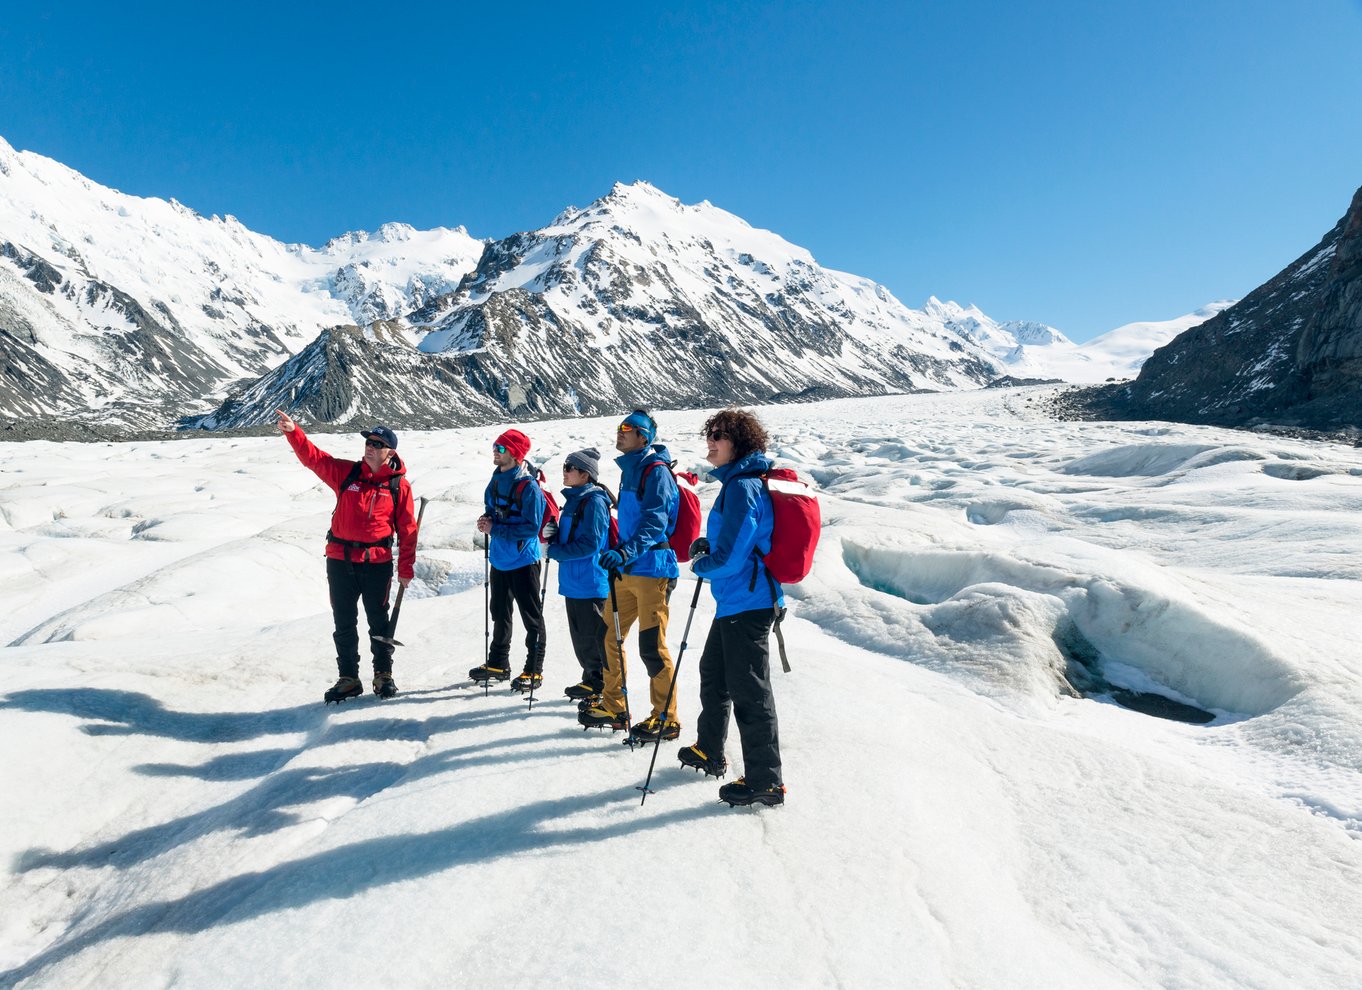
(741, 426)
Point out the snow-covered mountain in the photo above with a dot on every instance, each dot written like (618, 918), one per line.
(638, 298)
(1035, 350)
(127, 310)
(139, 313)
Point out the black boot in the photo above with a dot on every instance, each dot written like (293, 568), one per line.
(384, 685)
(526, 680)
(653, 726)
(696, 758)
(599, 718)
(345, 687)
(739, 795)
(490, 672)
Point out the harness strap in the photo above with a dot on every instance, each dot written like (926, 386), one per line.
(779, 618)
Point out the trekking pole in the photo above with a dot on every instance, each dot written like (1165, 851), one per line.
(401, 589)
(486, 606)
(676, 669)
(619, 651)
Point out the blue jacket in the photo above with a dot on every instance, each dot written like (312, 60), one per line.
(646, 522)
(739, 532)
(583, 535)
(515, 529)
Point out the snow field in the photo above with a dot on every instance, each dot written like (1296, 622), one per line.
(958, 814)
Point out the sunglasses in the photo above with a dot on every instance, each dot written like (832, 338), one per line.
(626, 428)
(376, 444)
(717, 435)
(498, 448)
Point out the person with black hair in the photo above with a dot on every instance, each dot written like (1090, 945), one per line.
(735, 667)
(647, 571)
(583, 535)
(373, 502)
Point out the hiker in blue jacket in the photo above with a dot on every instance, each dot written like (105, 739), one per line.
(735, 667)
(648, 504)
(515, 510)
(583, 535)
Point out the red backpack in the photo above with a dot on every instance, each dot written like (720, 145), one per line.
(687, 529)
(797, 523)
(551, 510)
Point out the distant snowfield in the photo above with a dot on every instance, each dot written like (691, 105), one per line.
(1118, 353)
(181, 810)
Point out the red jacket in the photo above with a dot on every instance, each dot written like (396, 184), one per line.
(364, 511)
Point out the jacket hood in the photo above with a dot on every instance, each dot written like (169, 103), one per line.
(584, 491)
(757, 462)
(393, 469)
(656, 451)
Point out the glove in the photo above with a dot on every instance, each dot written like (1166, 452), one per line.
(611, 560)
(699, 548)
(549, 530)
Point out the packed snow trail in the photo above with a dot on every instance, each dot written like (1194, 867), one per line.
(958, 813)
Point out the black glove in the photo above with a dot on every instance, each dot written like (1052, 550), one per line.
(549, 530)
(611, 560)
(699, 548)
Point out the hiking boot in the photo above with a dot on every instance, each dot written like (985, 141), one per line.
(589, 702)
(384, 685)
(739, 795)
(696, 758)
(345, 687)
(652, 727)
(489, 672)
(583, 691)
(599, 718)
(526, 681)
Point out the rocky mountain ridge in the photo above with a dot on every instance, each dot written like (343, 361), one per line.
(1288, 355)
(123, 312)
(123, 315)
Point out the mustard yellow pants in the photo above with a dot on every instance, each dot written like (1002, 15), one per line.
(643, 599)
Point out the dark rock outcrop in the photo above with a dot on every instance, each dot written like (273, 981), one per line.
(1288, 355)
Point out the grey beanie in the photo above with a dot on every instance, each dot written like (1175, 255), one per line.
(588, 460)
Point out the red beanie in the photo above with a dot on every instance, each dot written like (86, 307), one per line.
(516, 442)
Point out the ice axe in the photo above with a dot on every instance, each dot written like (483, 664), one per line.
(402, 589)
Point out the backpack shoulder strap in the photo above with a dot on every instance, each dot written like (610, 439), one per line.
(643, 475)
(350, 478)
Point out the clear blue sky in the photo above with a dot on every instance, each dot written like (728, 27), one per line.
(1083, 164)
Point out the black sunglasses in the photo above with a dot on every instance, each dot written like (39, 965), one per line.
(717, 435)
(376, 444)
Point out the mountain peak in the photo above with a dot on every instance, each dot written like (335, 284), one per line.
(950, 309)
(639, 190)
(394, 231)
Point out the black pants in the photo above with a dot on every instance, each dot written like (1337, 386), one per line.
(735, 671)
(522, 586)
(349, 583)
(586, 625)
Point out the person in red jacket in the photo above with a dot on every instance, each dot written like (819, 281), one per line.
(373, 501)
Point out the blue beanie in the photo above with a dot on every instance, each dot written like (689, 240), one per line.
(645, 424)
